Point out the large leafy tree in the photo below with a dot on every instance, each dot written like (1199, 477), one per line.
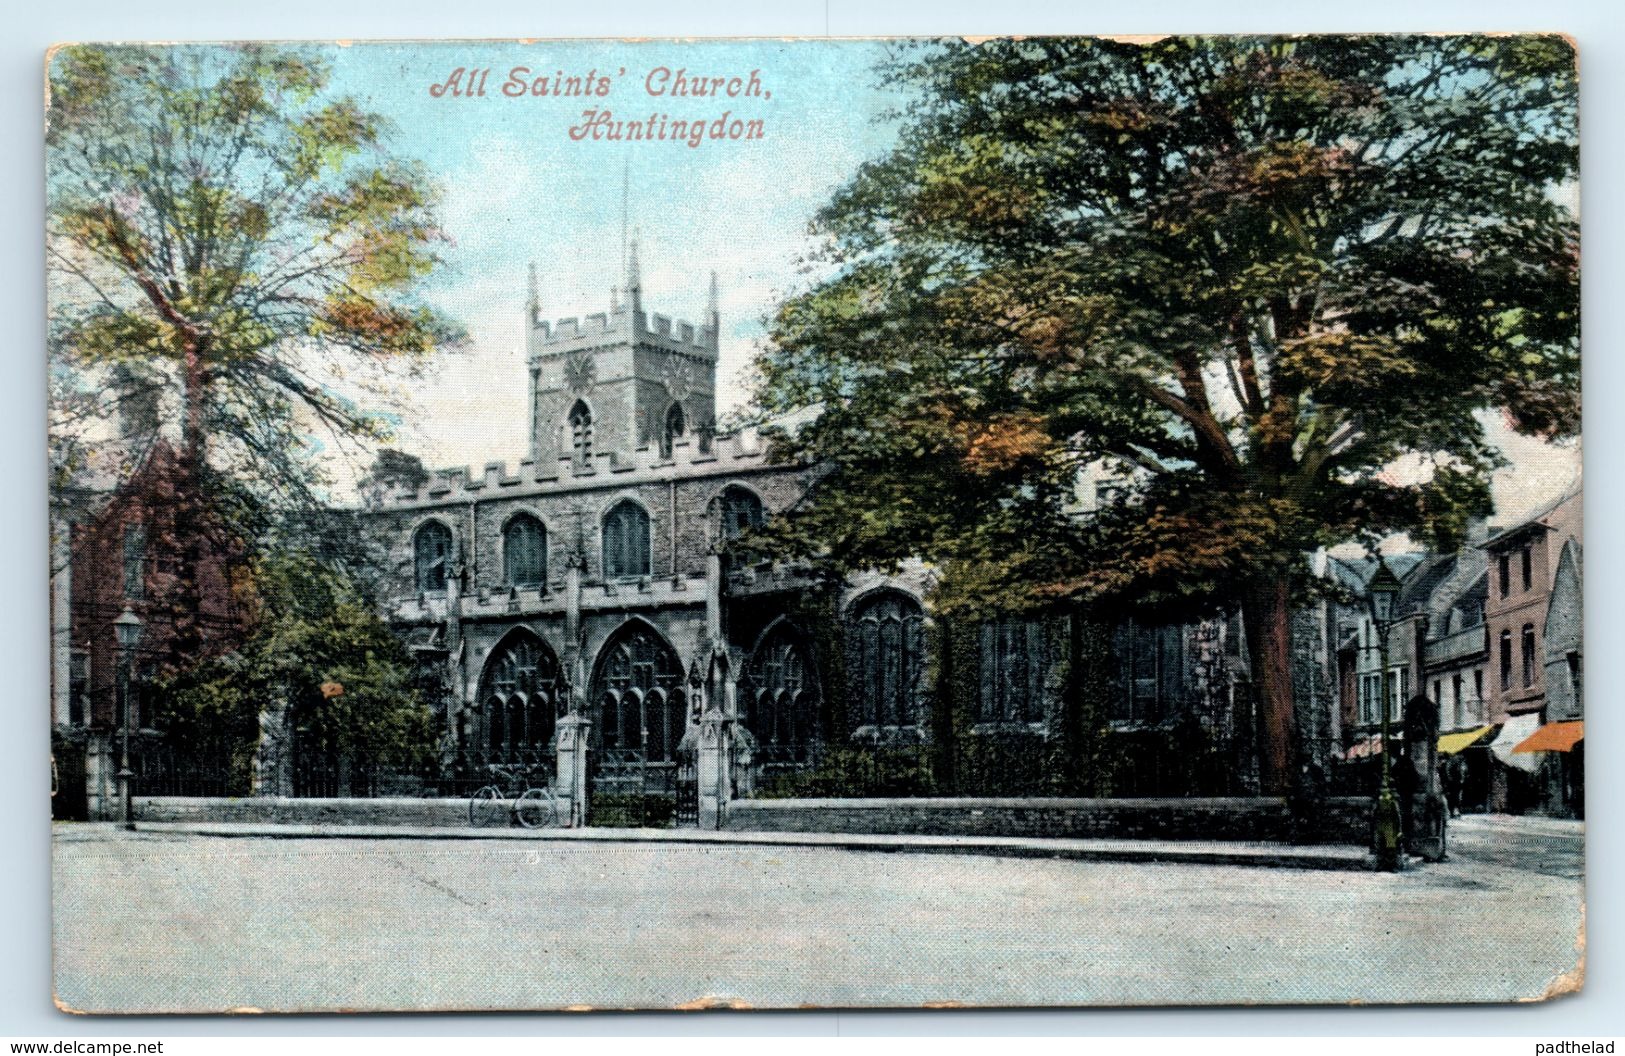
(1274, 285)
(315, 627)
(226, 237)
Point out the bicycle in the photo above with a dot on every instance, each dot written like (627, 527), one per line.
(533, 807)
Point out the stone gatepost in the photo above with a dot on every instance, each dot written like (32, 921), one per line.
(713, 761)
(273, 759)
(571, 783)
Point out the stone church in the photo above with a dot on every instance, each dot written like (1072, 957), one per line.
(597, 574)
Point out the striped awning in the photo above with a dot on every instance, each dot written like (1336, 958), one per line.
(1553, 737)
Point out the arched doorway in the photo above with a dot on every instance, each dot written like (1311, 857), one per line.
(520, 702)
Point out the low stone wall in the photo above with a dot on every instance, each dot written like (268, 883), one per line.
(273, 810)
(1345, 820)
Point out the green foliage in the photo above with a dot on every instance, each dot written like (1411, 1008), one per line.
(1250, 276)
(224, 228)
(844, 771)
(313, 627)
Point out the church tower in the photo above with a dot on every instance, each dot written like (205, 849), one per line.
(604, 386)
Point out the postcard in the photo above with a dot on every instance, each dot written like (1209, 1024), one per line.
(594, 524)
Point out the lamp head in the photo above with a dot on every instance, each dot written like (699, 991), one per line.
(128, 628)
(1384, 593)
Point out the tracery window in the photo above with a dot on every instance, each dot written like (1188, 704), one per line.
(522, 699)
(1012, 671)
(581, 433)
(639, 691)
(524, 551)
(431, 549)
(778, 694)
(626, 541)
(885, 658)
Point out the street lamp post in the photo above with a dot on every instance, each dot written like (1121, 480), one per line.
(128, 629)
(1384, 592)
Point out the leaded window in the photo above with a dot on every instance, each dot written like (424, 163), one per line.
(639, 692)
(1528, 654)
(581, 433)
(524, 551)
(522, 699)
(1150, 672)
(626, 541)
(431, 551)
(741, 511)
(777, 694)
(885, 659)
(1012, 671)
(135, 560)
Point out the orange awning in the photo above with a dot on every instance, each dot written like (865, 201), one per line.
(1553, 737)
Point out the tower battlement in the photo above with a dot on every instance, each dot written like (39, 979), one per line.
(623, 326)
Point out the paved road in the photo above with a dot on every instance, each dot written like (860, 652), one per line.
(170, 922)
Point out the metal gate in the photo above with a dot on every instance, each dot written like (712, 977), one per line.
(626, 789)
(686, 779)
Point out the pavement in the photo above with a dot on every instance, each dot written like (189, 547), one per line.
(1190, 852)
(166, 920)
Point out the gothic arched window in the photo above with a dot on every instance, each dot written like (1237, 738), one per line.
(639, 691)
(676, 425)
(741, 511)
(885, 645)
(626, 541)
(1012, 671)
(521, 696)
(778, 694)
(431, 556)
(524, 551)
(581, 433)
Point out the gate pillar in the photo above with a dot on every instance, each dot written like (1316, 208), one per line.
(572, 768)
(273, 761)
(713, 760)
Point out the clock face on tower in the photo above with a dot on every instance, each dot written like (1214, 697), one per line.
(579, 371)
(678, 374)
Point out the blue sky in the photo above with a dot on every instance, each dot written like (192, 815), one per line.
(518, 189)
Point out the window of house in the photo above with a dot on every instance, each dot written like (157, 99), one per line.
(79, 686)
(626, 541)
(1456, 708)
(135, 561)
(1573, 659)
(885, 643)
(581, 433)
(1506, 661)
(1438, 692)
(524, 551)
(1528, 654)
(741, 511)
(1478, 685)
(676, 425)
(1504, 574)
(431, 550)
(1528, 559)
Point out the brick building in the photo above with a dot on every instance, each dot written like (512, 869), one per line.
(115, 550)
(1532, 611)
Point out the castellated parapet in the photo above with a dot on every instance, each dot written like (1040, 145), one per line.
(727, 454)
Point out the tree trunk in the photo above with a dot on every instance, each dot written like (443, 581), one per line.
(1267, 615)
